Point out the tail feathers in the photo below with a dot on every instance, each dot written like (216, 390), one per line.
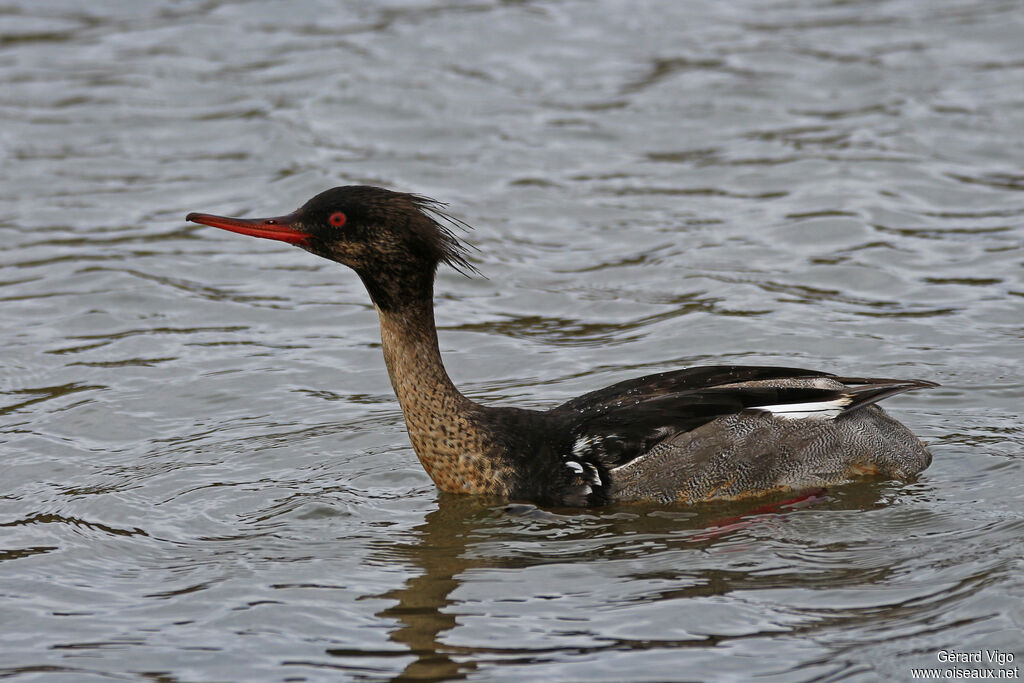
(873, 390)
(864, 392)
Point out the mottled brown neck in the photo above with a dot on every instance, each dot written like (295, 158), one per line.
(441, 421)
(412, 354)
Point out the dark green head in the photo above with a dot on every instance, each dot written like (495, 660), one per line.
(393, 240)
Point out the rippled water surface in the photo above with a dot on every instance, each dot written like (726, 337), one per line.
(206, 476)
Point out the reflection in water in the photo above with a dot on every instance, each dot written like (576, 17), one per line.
(439, 552)
(450, 542)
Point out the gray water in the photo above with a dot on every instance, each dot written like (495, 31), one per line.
(205, 475)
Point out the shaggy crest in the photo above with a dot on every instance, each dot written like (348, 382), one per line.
(453, 251)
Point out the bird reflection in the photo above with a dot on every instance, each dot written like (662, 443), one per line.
(438, 549)
(442, 548)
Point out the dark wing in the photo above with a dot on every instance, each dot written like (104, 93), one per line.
(611, 426)
(677, 382)
(868, 390)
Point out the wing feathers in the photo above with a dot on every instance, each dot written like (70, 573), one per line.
(618, 423)
(875, 389)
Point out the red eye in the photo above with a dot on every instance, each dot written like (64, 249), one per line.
(337, 219)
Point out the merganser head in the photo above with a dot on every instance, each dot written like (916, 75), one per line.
(393, 240)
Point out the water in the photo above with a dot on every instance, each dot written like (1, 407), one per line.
(206, 476)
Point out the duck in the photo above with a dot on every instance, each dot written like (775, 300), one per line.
(690, 435)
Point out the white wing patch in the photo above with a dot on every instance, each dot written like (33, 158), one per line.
(587, 470)
(819, 410)
(582, 445)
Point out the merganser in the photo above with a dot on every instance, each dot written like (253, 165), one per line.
(689, 435)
